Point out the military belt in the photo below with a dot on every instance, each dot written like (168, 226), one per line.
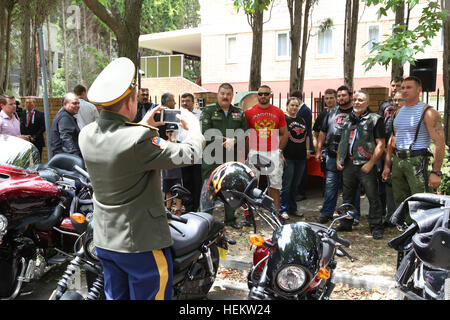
(403, 154)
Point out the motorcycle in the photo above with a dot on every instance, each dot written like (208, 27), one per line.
(34, 207)
(423, 249)
(199, 242)
(298, 262)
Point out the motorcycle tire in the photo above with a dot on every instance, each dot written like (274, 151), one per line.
(215, 259)
(71, 295)
(7, 279)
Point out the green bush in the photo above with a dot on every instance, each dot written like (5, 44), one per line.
(444, 187)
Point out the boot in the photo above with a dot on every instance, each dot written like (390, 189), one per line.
(345, 225)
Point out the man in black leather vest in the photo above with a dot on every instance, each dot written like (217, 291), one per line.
(362, 144)
(329, 138)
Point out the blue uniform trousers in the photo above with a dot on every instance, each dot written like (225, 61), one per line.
(137, 276)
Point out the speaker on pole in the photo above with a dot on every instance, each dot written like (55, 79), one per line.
(425, 70)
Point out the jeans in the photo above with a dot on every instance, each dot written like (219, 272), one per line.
(332, 184)
(353, 177)
(292, 176)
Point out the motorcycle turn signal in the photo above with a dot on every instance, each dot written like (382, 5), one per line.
(256, 239)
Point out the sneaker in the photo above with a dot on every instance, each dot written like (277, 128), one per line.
(323, 219)
(355, 222)
(297, 214)
(285, 216)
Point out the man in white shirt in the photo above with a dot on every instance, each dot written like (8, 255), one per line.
(192, 175)
(88, 112)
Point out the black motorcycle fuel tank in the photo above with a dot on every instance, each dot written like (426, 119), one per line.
(295, 244)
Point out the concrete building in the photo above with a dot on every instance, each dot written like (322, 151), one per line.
(224, 38)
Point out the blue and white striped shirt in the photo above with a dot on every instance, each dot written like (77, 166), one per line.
(405, 124)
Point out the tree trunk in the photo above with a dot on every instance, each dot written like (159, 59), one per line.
(305, 41)
(3, 43)
(66, 61)
(10, 8)
(445, 4)
(25, 69)
(256, 58)
(50, 60)
(125, 27)
(397, 68)
(295, 16)
(351, 24)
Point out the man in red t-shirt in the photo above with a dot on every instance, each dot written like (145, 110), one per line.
(268, 136)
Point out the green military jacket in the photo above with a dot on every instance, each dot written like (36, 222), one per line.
(213, 117)
(124, 162)
(364, 141)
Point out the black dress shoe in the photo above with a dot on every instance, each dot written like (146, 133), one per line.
(234, 225)
(247, 223)
(387, 224)
(344, 228)
(377, 234)
(323, 219)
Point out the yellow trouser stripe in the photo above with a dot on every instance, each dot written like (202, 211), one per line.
(161, 263)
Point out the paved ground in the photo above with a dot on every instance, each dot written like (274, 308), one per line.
(230, 290)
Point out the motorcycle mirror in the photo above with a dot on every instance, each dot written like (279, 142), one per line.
(181, 191)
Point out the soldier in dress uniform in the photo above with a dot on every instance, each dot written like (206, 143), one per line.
(124, 159)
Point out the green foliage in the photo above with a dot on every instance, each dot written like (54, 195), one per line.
(251, 6)
(401, 47)
(444, 187)
(167, 15)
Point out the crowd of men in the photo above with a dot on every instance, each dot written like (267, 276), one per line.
(357, 149)
(386, 154)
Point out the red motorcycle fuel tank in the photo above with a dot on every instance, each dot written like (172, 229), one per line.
(25, 196)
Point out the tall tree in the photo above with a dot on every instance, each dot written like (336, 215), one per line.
(445, 4)
(401, 47)
(397, 68)
(299, 37)
(124, 19)
(350, 32)
(6, 13)
(254, 9)
(295, 8)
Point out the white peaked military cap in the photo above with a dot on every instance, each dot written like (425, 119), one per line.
(114, 83)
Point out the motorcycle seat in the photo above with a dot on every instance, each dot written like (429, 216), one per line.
(199, 227)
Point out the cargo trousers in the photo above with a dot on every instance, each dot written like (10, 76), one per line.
(409, 176)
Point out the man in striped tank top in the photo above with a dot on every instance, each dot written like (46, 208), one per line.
(410, 155)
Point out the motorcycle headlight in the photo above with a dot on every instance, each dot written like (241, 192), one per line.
(90, 249)
(3, 223)
(291, 278)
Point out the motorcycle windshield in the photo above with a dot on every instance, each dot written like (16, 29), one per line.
(296, 244)
(18, 153)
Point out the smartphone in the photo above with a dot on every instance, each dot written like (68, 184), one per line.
(170, 116)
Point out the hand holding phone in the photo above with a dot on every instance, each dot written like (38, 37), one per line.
(170, 116)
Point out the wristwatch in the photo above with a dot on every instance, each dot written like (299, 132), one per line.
(438, 173)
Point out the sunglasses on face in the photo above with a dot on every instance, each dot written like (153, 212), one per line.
(264, 94)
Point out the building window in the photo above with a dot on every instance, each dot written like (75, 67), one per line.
(373, 35)
(231, 49)
(283, 45)
(325, 42)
